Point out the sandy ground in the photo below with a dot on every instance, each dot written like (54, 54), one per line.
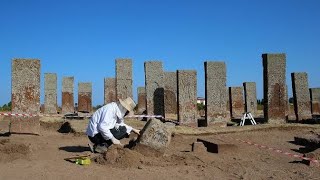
(42, 157)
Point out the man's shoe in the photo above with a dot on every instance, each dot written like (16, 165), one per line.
(101, 149)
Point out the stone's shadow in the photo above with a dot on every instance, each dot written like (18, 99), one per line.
(75, 149)
(202, 122)
(65, 128)
(158, 101)
(298, 162)
(7, 134)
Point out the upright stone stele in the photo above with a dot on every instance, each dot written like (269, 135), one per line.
(216, 92)
(141, 99)
(170, 92)
(315, 100)
(123, 78)
(154, 83)
(236, 102)
(109, 90)
(301, 96)
(25, 95)
(250, 97)
(85, 97)
(187, 97)
(50, 88)
(67, 95)
(274, 84)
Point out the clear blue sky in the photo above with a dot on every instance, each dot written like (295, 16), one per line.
(83, 38)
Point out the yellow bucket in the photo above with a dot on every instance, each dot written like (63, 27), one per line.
(83, 161)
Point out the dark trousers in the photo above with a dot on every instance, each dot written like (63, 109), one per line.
(118, 134)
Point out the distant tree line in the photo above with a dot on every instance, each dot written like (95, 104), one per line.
(6, 107)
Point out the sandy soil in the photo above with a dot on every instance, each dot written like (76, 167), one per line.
(42, 157)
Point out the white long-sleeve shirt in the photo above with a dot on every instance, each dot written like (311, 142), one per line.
(106, 118)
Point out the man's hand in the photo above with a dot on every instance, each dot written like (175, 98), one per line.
(136, 131)
(115, 141)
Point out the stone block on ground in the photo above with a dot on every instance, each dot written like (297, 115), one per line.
(155, 135)
(308, 140)
(216, 145)
(198, 147)
(4, 125)
(315, 155)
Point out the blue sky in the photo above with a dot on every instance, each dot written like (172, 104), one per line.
(82, 38)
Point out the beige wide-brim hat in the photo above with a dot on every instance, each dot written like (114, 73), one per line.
(128, 103)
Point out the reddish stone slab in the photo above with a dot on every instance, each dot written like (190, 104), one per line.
(274, 85)
(67, 95)
(109, 90)
(25, 95)
(85, 97)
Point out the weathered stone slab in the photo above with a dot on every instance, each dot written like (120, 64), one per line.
(50, 88)
(110, 90)
(250, 97)
(315, 100)
(301, 96)
(25, 95)
(123, 78)
(274, 85)
(170, 92)
(85, 97)
(155, 135)
(236, 102)
(67, 95)
(154, 87)
(141, 99)
(187, 97)
(215, 91)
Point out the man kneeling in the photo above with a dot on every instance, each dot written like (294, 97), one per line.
(107, 127)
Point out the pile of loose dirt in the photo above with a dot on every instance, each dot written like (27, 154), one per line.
(120, 157)
(12, 151)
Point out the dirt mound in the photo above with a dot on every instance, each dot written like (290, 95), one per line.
(12, 151)
(120, 157)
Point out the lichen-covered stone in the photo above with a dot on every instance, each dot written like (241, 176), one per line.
(154, 83)
(109, 90)
(315, 100)
(216, 92)
(67, 95)
(123, 78)
(155, 135)
(50, 88)
(301, 96)
(187, 97)
(85, 97)
(250, 97)
(25, 95)
(274, 85)
(236, 102)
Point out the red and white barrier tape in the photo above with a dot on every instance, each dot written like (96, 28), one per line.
(145, 116)
(34, 115)
(49, 115)
(279, 151)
